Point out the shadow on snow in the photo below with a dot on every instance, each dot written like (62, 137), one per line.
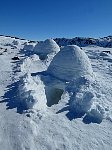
(11, 97)
(86, 118)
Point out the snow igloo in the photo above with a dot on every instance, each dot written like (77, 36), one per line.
(46, 47)
(70, 70)
(70, 64)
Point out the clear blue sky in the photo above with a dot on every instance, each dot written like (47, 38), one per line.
(41, 19)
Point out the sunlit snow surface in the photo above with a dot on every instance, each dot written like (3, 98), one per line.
(47, 105)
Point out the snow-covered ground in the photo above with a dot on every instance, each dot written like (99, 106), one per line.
(62, 101)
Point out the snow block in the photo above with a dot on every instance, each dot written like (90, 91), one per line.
(32, 94)
(24, 67)
(82, 101)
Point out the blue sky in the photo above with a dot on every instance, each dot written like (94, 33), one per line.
(41, 19)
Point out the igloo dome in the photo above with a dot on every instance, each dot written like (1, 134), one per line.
(46, 47)
(70, 63)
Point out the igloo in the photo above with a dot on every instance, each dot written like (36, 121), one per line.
(70, 64)
(70, 70)
(47, 47)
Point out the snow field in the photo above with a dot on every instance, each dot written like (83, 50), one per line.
(76, 114)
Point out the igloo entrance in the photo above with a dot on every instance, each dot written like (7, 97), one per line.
(53, 95)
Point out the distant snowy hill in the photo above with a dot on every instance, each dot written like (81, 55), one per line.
(80, 41)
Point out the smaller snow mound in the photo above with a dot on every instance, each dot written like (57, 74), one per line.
(32, 94)
(95, 115)
(82, 102)
(70, 63)
(46, 47)
(82, 96)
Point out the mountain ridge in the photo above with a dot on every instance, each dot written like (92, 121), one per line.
(80, 41)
